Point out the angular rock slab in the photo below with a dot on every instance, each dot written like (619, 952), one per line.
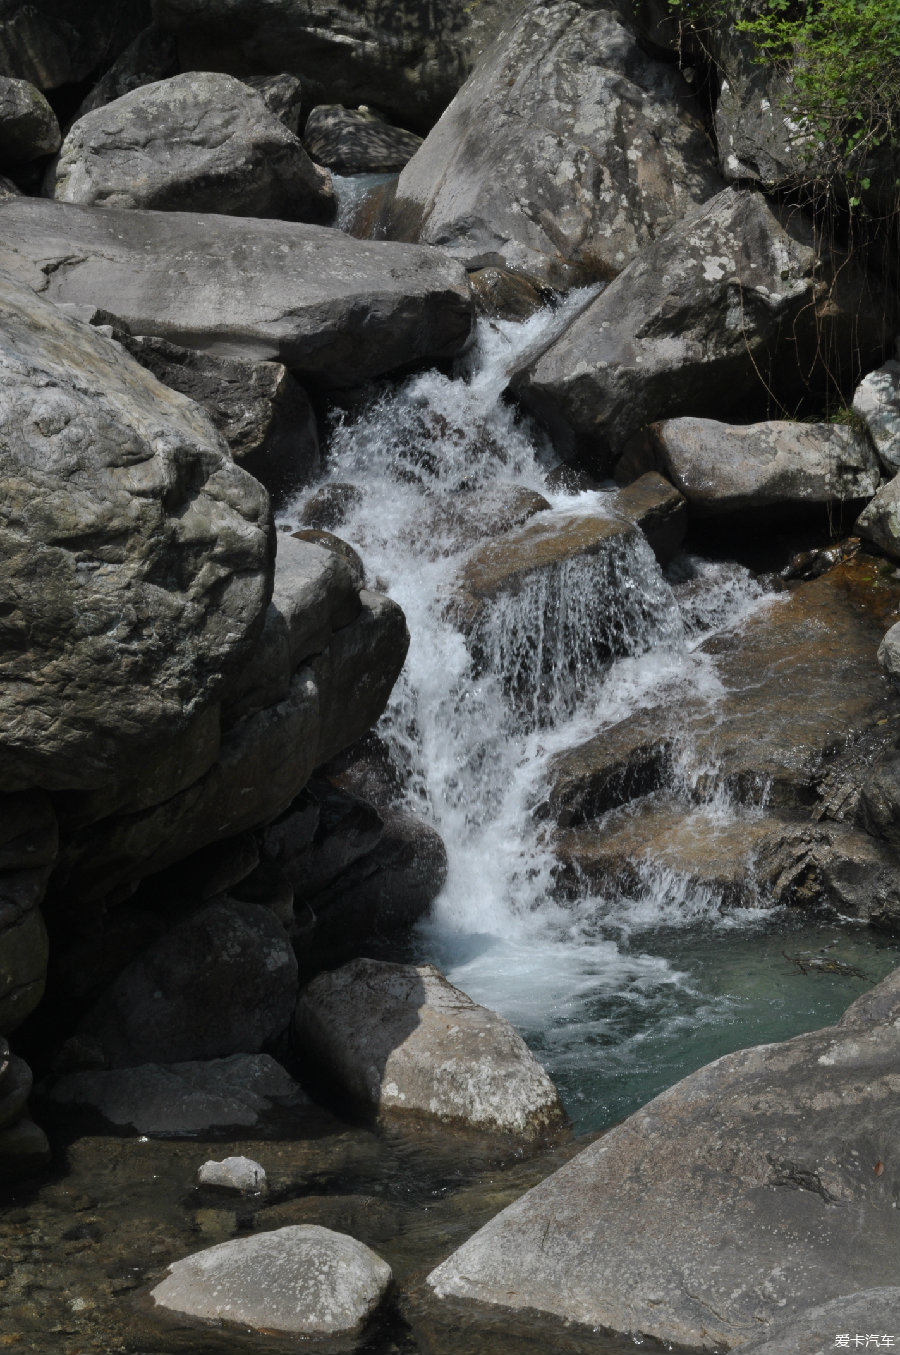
(401, 1038)
(134, 555)
(815, 1330)
(877, 403)
(339, 309)
(735, 301)
(724, 469)
(194, 1097)
(593, 151)
(199, 142)
(305, 1280)
(760, 1185)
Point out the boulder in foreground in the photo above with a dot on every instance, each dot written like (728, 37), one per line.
(338, 309)
(761, 1185)
(305, 1280)
(401, 1038)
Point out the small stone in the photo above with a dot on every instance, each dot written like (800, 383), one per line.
(240, 1174)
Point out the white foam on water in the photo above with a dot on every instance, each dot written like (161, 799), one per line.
(578, 648)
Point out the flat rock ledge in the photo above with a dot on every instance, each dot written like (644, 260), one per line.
(757, 1187)
(302, 1280)
(402, 1038)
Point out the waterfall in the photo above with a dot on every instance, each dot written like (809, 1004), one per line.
(476, 715)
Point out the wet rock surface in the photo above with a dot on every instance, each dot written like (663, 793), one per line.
(401, 1038)
(338, 309)
(555, 192)
(764, 1156)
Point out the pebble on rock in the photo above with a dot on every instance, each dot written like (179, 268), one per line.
(304, 1280)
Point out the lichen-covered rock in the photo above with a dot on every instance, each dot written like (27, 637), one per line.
(749, 291)
(172, 1005)
(880, 519)
(134, 555)
(592, 151)
(338, 309)
(401, 1038)
(756, 1187)
(193, 1097)
(357, 141)
(877, 403)
(775, 467)
(200, 142)
(305, 1280)
(28, 126)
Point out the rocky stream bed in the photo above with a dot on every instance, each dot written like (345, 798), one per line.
(449, 689)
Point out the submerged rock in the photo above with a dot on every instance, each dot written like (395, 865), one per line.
(200, 142)
(194, 1097)
(741, 274)
(775, 1165)
(305, 1280)
(401, 1038)
(338, 309)
(592, 151)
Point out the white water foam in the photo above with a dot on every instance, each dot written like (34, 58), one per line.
(473, 740)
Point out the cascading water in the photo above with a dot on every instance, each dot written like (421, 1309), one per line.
(620, 994)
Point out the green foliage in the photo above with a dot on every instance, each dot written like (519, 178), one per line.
(843, 61)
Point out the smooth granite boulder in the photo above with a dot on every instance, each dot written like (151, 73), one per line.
(736, 302)
(401, 1038)
(593, 151)
(135, 557)
(877, 402)
(337, 309)
(304, 1280)
(757, 1187)
(200, 142)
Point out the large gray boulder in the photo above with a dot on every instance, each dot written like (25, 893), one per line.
(408, 58)
(401, 1038)
(752, 304)
(593, 151)
(28, 126)
(304, 1280)
(761, 1185)
(776, 467)
(171, 1005)
(201, 142)
(337, 309)
(135, 557)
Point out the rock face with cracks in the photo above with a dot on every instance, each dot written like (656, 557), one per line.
(338, 309)
(401, 1038)
(135, 557)
(594, 150)
(777, 1164)
(304, 1280)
